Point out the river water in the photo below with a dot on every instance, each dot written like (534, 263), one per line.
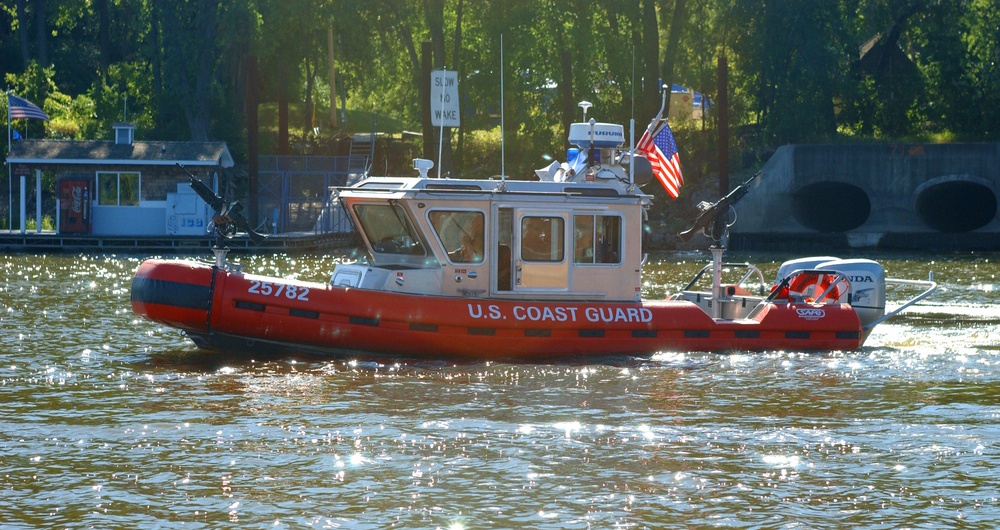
(108, 421)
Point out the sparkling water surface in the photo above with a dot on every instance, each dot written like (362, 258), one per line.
(110, 421)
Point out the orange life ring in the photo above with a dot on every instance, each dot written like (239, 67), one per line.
(822, 281)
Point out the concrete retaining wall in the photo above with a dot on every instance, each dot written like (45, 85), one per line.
(907, 196)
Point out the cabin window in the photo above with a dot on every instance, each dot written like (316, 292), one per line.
(118, 189)
(461, 233)
(388, 228)
(542, 238)
(597, 239)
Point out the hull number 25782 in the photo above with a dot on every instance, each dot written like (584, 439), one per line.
(290, 292)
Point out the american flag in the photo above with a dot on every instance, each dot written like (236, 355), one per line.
(661, 150)
(22, 108)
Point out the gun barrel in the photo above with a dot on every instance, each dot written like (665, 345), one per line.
(219, 206)
(714, 212)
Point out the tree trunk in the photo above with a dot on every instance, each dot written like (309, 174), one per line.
(41, 34)
(22, 31)
(456, 58)
(434, 15)
(283, 147)
(650, 54)
(199, 117)
(676, 24)
(623, 41)
(156, 58)
(566, 91)
(424, 82)
(722, 102)
(456, 50)
(406, 36)
(103, 35)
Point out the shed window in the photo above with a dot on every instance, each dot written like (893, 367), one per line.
(118, 189)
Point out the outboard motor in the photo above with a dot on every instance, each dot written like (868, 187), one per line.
(867, 278)
(867, 294)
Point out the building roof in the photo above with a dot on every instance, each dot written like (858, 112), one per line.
(104, 152)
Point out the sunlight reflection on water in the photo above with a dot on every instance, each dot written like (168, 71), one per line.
(111, 421)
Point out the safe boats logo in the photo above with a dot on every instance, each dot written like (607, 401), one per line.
(811, 313)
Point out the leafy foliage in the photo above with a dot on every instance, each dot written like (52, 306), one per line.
(798, 71)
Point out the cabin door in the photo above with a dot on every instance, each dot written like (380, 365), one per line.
(540, 255)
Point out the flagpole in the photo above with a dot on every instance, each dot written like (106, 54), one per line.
(663, 105)
(10, 183)
(8, 121)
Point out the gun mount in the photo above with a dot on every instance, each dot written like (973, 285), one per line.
(712, 220)
(228, 218)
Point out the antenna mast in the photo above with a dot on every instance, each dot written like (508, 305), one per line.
(631, 129)
(503, 171)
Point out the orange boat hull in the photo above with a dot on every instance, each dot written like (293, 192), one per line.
(231, 310)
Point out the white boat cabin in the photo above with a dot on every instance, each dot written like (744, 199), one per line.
(576, 233)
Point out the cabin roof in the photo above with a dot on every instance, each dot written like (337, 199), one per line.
(106, 152)
(399, 186)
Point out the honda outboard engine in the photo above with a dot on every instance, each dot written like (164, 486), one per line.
(867, 278)
(867, 295)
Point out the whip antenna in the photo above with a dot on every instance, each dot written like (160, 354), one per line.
(503, 172)
(631, 129)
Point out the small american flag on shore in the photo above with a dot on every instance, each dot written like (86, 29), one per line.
(21, 108)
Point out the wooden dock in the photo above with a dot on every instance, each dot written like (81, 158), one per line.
(49, 241)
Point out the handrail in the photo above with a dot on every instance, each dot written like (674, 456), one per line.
(838, 279)
(930, 286)
(576, 192)
(750, 270)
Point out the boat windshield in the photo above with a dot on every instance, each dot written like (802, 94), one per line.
(388, 228)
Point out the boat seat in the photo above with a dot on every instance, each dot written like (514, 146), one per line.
(736, 290)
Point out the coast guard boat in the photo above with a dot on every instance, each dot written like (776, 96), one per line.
(514, 269)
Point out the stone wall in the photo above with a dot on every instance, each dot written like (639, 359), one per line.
(874, 195)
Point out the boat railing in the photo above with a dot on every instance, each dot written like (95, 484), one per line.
(729, 300)
(928, 286)
(739, 284)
